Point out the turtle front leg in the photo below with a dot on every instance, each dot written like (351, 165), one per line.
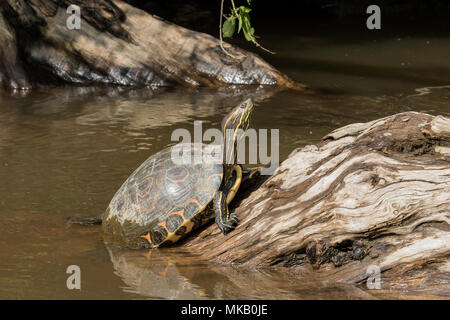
(225, 220)
(248, 174)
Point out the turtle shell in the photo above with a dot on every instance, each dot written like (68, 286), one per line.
(164, 198)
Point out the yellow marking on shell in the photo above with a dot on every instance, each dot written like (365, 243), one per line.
(193, 201)
(172, 236)
(220, 175)
(147, 237)
(149, 188)
(181, 180)
(181, 213)
(163, 224)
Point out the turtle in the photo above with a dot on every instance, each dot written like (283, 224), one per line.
(165, 199)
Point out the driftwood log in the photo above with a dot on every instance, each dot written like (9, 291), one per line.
(370, 196)
(12, 74)
(116, 44)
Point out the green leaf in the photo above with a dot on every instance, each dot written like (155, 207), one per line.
(246, 21)
(243, 9)
(228, 27)
(247, 35)
(249, 2)
(240, 24)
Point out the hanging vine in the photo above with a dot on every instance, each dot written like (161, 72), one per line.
(238, 19)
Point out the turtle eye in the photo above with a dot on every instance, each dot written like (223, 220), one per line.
(243, 106)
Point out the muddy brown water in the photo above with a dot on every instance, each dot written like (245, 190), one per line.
(65, 151)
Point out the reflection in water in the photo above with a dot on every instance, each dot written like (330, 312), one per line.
(66, 151)
(171, 274)
(427, 90)
(168, 109)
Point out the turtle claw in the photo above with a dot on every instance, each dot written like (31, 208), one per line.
(230, 224)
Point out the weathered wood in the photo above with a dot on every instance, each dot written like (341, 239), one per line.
(12, 74)
(119, 44)
(376, 193)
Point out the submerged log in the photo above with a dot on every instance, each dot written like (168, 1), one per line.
(370, 196)
(119, 44)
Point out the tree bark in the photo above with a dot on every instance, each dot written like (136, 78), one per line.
(12, 75)
(369, 194)
(119, 44)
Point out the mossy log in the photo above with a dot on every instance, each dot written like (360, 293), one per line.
(369, 194)
(117, 44)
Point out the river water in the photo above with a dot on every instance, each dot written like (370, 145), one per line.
(65, 151)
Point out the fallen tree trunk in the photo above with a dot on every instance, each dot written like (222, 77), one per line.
(370, 196)
(119, 44)
(12, 74)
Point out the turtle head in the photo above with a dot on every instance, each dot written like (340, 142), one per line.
(238, 118)
(235, 124)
